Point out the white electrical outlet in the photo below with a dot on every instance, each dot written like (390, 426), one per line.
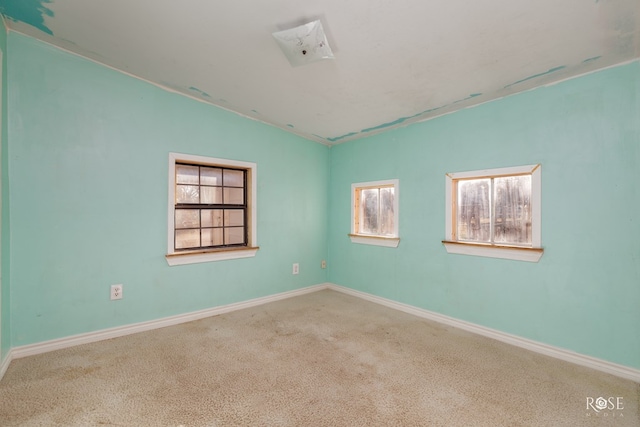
(296, 268)
(116, 292)
(323, 264)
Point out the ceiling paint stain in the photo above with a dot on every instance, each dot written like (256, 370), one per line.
(386, 125)
(393, 123)
(30, 12)
(552, 70)
(473, 95)
(338, 138)
(404, 119)
(595, 58)
(431, 110)
(195, 89)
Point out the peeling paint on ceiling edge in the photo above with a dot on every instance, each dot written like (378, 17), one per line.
(553, 83)
(404, 119)
(473, 95)
(338, 138)
(595, 58)
(30, 12)
(320, 139)
(195, 89)
(552, 70)
(388, 124)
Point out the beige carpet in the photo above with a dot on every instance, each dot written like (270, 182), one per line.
(322, 359)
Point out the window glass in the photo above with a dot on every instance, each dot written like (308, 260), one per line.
(202, 199)
(233, 217)
(187, 239)
(375, 212)
(187, 218)
(187, 194)
(494, 210)
(233, 196)
(474, 210)
(512, 219)
(495, 213)
(210, 176)
(186, 174)
(370, 210)
(211, 195)
(387, 225)
(233, 178)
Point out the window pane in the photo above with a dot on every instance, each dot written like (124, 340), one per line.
(187, 239)
(512, 222)
(210, 176)
(233, 217)
(233, 196)
(234, 235)
(187, 194)
(212, 237)
(212, 217)
(233, 178)
(211, 195)
(386, 211)
(186, 174)
(369, 209)
(474, 210)
(187, 218)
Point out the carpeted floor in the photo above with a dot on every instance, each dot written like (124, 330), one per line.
(322, 359)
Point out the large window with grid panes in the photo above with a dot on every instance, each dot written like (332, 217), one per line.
(211, 206)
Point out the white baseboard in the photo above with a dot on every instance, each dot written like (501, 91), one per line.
(556, 352)
(548, 350)
(5, 364)
(105, 334)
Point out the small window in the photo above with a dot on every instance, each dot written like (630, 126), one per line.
(211, 209)
(374, 213)
(495, 213)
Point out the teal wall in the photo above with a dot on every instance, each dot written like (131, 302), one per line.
(5, 313)
(88, 158)
(584, 294)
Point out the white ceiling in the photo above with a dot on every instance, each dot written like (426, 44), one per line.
(396, 62)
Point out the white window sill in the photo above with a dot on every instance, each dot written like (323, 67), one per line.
(182, 258)
(494, 251)
(389, 242)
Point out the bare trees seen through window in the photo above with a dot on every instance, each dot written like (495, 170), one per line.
(494, 210)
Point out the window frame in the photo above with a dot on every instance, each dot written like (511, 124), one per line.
(192, 256)
(391, 241)
(527, 253)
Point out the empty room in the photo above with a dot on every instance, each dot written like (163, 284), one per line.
(334, 213)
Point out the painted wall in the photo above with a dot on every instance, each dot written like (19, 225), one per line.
(584, 293)
(88, 158)
(5, 313)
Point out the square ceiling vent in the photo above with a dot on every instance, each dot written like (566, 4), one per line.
(304, 44)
